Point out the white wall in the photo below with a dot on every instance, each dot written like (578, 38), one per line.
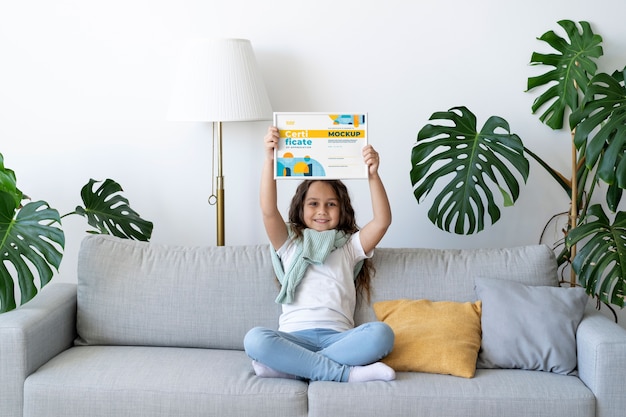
(84, 88)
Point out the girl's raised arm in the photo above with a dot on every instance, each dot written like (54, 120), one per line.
(374, 231)
(275, 226)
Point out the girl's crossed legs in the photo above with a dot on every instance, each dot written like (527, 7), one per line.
(323, 354)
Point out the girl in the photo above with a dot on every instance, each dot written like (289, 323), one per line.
(317, 256)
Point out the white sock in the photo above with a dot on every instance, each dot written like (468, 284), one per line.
(265, 371)
(377, 371)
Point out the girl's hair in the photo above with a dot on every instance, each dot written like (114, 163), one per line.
(347, 224)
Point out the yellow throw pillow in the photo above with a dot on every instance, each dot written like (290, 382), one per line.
(439, 337)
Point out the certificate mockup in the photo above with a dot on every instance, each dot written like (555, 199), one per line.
(320, 145)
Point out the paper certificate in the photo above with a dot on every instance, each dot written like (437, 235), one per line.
(320, 145)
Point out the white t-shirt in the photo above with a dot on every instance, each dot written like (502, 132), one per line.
(326, 296)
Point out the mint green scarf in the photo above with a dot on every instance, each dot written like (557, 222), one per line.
(313, 249)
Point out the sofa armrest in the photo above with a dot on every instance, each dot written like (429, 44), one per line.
(30, 336)
(601, 345)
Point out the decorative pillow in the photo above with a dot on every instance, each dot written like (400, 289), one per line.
(439, 337)
(529, 327)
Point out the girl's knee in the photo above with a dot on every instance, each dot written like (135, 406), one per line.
(384, 334)
(254, 341)
(387, 331)
(379, 328)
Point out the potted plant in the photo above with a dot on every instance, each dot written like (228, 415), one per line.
(32, 238)
(472, 166)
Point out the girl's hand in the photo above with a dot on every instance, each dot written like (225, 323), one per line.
(271, 141)
(371, 159)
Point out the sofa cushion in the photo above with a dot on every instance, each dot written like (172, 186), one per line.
(529, 327)
(440, 337)
(142, 381)
(492, 392)
(138, 293)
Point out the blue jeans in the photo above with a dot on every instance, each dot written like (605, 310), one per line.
(319, 354)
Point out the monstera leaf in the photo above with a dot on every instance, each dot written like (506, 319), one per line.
(109, 212)
(8, 183)
(601, 262)
(573, 66)
(601, 132)
(473, 162)
(32, 240)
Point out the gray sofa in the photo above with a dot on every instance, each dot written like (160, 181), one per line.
(157, 330)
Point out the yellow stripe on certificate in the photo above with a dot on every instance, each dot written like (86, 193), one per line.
(325, 134)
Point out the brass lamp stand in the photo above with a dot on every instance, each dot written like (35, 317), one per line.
(220, 189)
(218, 81)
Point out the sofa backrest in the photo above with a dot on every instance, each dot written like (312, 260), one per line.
(448, 274)
(137, 293)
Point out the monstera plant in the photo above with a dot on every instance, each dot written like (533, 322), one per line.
(477, 170)
(32, 238)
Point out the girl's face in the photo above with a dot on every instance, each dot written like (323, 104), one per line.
(321, 207)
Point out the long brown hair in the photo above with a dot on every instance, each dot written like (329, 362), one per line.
(347, 224)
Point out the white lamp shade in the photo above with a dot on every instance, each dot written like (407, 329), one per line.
(218, 80)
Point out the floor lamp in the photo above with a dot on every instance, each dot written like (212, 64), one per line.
(218, 81)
